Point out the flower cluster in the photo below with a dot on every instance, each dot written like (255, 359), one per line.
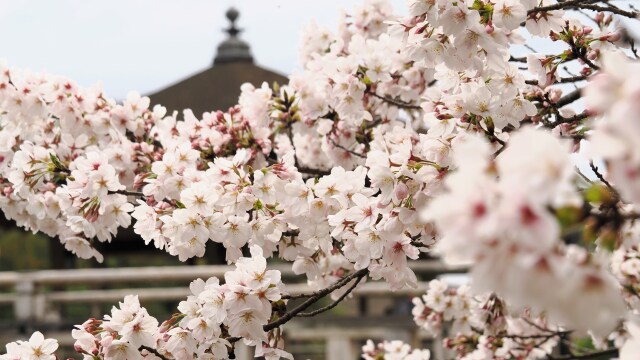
(37, 348)
(505, 223)
(207, 323)
(483, 327)
(614, 93)
(393, 350)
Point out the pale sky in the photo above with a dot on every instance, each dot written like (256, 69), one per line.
(145, 45)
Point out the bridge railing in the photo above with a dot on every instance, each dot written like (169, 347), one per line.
(34, 300)
(37, 297)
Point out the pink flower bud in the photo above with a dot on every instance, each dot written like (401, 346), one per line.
(165, 326)
(615, 36)
(489, 28)
(599, 17)
(106, 341)
(555, 95)
(401, 191)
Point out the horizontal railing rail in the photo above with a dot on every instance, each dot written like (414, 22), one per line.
(34, 294)
(37, 297)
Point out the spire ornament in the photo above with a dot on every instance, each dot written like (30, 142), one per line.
(233, 49)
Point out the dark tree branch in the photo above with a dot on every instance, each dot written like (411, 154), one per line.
(394, 102)
(555, 108)
(128, 193)
(492, 136)
(580, 53)
(313, 298)
(311, 171)
(600, 177)
(631, 216)
(559, 6)
(611, 9)
(564, 80)
(153, 351)
(345, 149)
(571, 119)
(320, 294)
(336, 302)
(568, 99)
(583, 4)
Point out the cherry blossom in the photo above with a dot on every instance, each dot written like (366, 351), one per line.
(434, 133)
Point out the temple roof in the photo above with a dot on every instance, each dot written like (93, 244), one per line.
(218, 87)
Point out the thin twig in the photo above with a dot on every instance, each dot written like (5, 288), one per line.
(582, 4)
(600, 177)
(398, 103)
(153, 351)
(286, 317)
(345, 149)
(335, 303)
(312, 171)
(631, 216)
(571, 119)
(320, 294)
(563, 80)
(568, 99)
(615, 10)
(128, 193)
(580, 53)
(558, 6)
(492, 136)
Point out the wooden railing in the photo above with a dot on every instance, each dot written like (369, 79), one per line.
(36, 297)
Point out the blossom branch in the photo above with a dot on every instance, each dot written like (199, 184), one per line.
(337, 301)
(345, 149)
(398, 103)
(616, 10)
(128, 193)
(317, 296)
(312, 171)
(580, 52)
(564, 80)
(153, 351)
(571, 119)
(559, 6)
(600, 177)
(583, 4)
(569, 98)
(314, 297)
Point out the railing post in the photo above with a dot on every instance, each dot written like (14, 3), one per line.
(23, 304)
(339, 347)
(41, 310)
(243, 352)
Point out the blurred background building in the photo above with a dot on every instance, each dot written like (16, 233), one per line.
(218, 87)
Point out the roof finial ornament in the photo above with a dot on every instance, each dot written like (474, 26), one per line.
(233, 49)
(233, 15)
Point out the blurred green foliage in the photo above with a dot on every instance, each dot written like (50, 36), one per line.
(20, 250)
